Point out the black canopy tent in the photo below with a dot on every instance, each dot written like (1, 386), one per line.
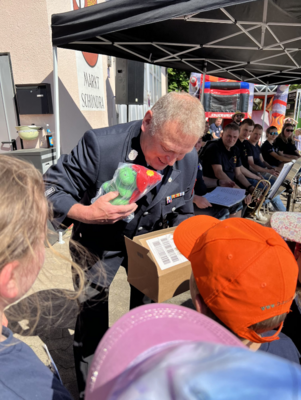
(257, 41)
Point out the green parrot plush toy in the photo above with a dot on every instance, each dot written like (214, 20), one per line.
(132, 182)
(125, 184)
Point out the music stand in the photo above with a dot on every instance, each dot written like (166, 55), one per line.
(287, 174)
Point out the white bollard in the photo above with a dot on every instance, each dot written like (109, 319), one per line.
(61, 238)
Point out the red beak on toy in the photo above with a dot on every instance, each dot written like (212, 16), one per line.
(145, 177)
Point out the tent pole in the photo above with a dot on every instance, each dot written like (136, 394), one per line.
(264, 108)
(56, 104)
(299, 105)
(203, 84)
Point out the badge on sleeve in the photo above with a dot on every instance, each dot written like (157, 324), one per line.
(133, 155)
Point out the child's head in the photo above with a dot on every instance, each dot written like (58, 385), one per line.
(244, 273)
(23, 219)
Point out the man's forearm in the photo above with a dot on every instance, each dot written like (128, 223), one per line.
(79, 212)
(210, 182)
(257, 168)
(280, 158)
(267, 165)
(248, 173)
(222, 175)
(243, 180)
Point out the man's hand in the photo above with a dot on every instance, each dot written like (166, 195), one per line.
(272, 172)
(102, 212)
(248, 199)
(226, 183)
(201, 202)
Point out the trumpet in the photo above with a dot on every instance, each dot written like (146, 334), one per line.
(259, 196)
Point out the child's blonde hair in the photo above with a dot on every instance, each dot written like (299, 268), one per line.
(23, 223)
(23, 209)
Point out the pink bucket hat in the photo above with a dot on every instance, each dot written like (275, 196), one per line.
(143, 329)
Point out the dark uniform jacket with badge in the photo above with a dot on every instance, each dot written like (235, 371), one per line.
(266, 149)
(255, 153)
(78, 176)
(244, 152)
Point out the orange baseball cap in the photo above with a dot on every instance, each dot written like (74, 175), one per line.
(244, 272)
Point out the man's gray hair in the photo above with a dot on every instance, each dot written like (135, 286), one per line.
(183, 108)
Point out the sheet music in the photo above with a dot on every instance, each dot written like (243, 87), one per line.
(281, 177)
(225, 196)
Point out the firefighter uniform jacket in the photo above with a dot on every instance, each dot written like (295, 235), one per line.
(77, 177)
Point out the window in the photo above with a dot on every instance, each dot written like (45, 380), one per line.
(152, 84)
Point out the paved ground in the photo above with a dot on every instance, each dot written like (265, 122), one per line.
(55, 326)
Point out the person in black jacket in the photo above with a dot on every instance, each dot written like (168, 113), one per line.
(285, 142)
(221, 160)
(164, 141)
(270, 152)
(202, 206)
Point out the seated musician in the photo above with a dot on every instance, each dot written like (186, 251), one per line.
(202, 205)
(245, 130)
(221, 160)
(207, 136)
(285, 142)
(270, 152)
(207, 133)
(255, 158)
(258, 164)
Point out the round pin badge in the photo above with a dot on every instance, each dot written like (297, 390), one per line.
(133, 155)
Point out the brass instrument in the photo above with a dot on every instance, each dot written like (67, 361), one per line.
(259, 196)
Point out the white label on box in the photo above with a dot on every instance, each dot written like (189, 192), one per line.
(165, 252)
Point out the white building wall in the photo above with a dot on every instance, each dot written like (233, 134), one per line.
(25, 31)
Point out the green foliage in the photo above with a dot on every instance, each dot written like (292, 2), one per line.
(294, 87)
(178, 80)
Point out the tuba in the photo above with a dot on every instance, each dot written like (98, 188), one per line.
(259, 196)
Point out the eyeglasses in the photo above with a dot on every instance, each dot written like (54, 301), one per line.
(273, 133)
(289, 130)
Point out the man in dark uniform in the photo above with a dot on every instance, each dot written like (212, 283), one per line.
(242, 144)
(257, 163)
(164, 141)
(255, 158)
(245, 130)
(201, 205)
(221, 160)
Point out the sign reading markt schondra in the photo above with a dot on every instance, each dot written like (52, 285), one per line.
(90, 82)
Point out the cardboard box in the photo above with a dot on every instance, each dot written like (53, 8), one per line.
(145, 273)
